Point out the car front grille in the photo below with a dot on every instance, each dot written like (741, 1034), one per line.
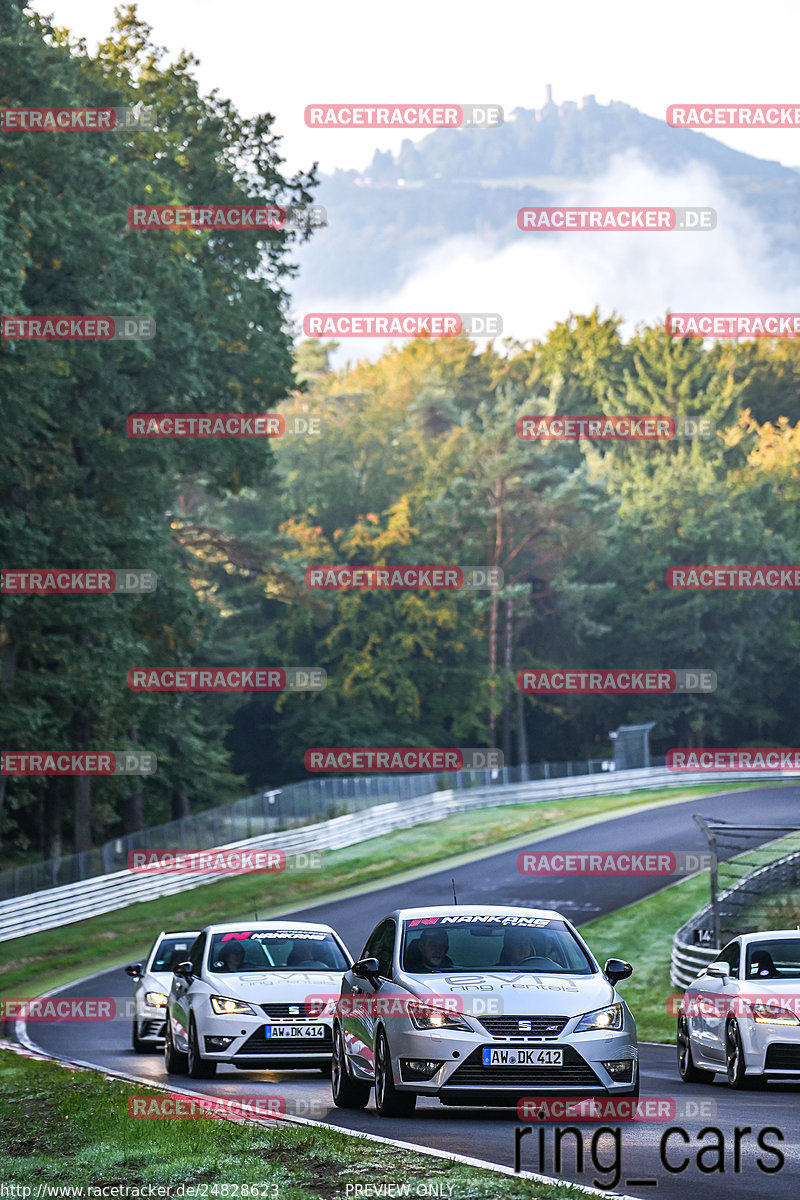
(292, 1012)
(257, 1043)
(782, 1056)
(537, 1027)
(574, 1073)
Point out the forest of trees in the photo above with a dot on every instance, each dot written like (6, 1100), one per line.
(418, 463)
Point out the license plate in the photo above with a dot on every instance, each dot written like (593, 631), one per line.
(517, 1056)
(294, 1031)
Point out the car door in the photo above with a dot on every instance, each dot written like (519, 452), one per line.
(181, 994)
(359, 1028)
(719, 1002)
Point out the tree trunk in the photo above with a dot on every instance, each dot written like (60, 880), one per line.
(132, 804)
(82, 810)
(52, 844)
(82, 792)
(509, 637)
(495, 557)
(522, 736)
(180, 804)
(9, 667)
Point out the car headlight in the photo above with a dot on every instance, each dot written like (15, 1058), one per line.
(772, 1014)
(428, 1016)
(228, 1007)
(609, 1017)
(155, 999)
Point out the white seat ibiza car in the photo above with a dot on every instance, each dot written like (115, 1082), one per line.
(480, 1006)
(244, 996)
(741, 1015)
(153, 981)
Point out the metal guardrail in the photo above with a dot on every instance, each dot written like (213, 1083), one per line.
(687, 959)
(266, 812)
(107, 893)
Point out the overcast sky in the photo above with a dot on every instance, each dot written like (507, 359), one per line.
(279, 57)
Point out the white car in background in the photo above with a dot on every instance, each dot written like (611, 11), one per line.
(741, 1015)
(255, 995)
(480, 1006)
(153, 981)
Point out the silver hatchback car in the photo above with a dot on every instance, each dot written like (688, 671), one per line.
(480, 1006)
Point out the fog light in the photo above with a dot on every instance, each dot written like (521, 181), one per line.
(620, 1069)
(418, 1068)
(218, 1043)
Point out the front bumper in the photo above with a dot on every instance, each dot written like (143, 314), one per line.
(463, 1078)
(248, 1045)
(772, 1050)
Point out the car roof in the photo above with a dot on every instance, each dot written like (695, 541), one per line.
(476, 910)
(773, 934)
(178, 933)
(261, 926)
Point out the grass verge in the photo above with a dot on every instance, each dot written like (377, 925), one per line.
(38, 962)
(71, 1128)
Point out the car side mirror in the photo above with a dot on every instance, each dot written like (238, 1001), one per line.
(135, 970)
(616, 969)
(718, 970)
(185, 970)
(367, 968)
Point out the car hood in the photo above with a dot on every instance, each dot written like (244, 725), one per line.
(276, 987)
(157, 981)
(517, 992)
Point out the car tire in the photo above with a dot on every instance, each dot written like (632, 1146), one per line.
(139, 1046)
(388, 1101)
(347, 1092)
(734, 1060)
(199, 1068)
(688, 1072)
(175, 1063)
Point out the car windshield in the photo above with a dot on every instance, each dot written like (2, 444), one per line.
(278, 950)
(778, 959)
(170, 952)
(541, 945)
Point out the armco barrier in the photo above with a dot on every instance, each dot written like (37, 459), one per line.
(106, 893)
(687, 959)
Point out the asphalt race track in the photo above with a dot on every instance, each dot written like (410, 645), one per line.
(631, 1164)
